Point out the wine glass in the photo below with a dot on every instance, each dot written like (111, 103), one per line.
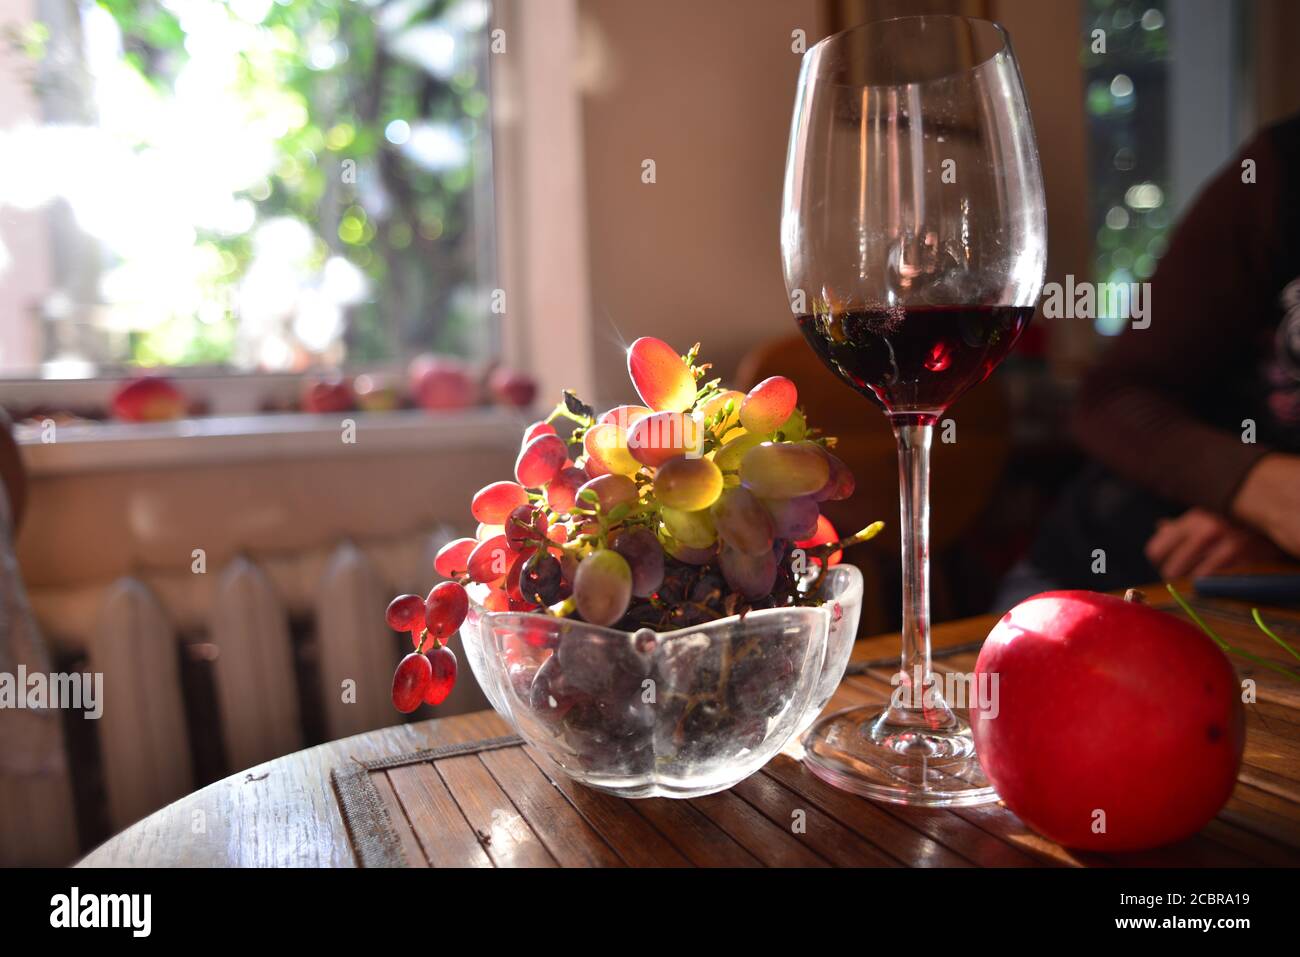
(913, 237)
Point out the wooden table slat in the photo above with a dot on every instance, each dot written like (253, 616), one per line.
(773, 845)
(870, 821)
(440, 827)
(566, 834)
(502, 831)
(701, 841)
(401, 818)
(825, 835)
(632, 837)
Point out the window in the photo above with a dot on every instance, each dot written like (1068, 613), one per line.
(1164, 106)
(252, 185)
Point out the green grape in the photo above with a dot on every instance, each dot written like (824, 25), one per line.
(729, 457)
(794, 428)
(784, 469)
(691, 556)
(602, 587)
(690, 484)
(692, 529)
(742, 521)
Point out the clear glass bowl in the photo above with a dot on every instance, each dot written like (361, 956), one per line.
(673, 714)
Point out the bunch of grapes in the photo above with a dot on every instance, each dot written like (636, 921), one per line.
(701, 503)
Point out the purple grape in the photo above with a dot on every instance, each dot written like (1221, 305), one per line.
(841, 483)
(751, 575)
(794, 518)
(641, 550)
(540, 579)
(742, 521)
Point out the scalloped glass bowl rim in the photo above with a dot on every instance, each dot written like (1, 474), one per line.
(855, 580)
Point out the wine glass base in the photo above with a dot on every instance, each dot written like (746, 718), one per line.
(854, 750)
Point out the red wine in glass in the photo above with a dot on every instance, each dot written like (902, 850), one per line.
(915, 360)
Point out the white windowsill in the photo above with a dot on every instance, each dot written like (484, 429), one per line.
(119, 446)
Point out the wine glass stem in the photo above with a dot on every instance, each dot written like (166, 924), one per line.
(922, 703)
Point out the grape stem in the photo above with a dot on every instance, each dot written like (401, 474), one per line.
(562, 412)
(866, 535)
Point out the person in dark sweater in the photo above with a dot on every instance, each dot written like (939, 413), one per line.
(1193, 423)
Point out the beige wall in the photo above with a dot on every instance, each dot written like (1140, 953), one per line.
(1045, 37)
(707, 94)
(706, 90)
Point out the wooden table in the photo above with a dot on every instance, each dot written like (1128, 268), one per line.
(504, 808)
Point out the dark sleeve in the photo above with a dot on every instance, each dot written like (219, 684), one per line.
(1208, 299)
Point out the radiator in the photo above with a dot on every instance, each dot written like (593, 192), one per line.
(206, 674)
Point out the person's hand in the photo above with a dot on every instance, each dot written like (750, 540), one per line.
(1269, 500)
(1200, 543)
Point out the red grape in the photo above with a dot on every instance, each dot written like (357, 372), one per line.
(452, 559)
(442, 678)
(562, 489)
(405, 613)
(768, 404)
(525, 526)
(662, 379)
(445, 610)
(490, 560)
(610, 492)
(410, 681)
(536, 429)
(540, 459)
(657, 438)
(494, 502)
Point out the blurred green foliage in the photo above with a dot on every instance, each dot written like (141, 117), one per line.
(406, 227)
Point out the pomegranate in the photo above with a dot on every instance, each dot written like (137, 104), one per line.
(1114, 727)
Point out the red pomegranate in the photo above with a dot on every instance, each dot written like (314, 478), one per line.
(1114, 727)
